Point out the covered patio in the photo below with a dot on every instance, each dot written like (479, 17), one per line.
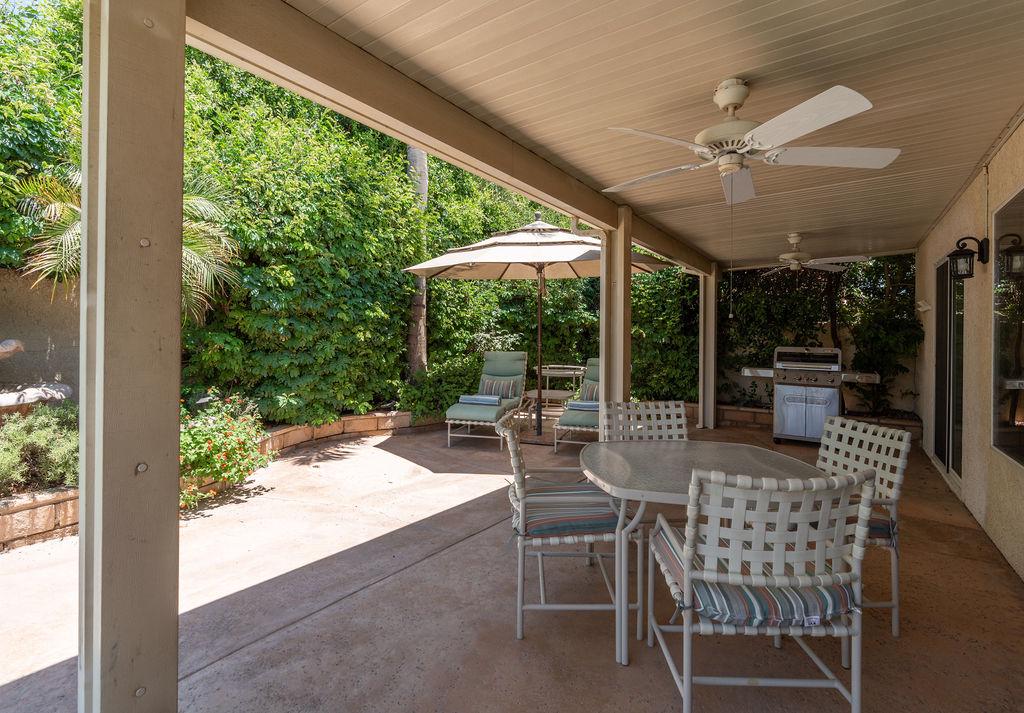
(377, 574)
(523, 94)
(411, 607)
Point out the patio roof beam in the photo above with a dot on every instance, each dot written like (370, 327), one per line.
(275, 41)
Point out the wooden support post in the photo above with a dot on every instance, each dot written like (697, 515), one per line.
(130, 354)
(708, 371)
(616, 312)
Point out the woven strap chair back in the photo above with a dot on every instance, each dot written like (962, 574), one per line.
(771, 532)
(643, 421)
(848, 446)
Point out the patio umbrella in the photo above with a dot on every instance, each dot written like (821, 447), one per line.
(538, 251)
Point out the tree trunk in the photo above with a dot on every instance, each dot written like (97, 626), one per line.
(417, 341)
(832, 300)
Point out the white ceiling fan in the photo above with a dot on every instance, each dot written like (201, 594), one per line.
(797, 260)
(733, 142)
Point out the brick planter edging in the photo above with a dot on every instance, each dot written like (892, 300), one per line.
(47, 514)
(34, 517)
(281, 438)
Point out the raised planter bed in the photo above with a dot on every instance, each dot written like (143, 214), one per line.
(281, 438)
(35, 517)
(47, 514)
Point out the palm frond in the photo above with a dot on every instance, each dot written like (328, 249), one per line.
(56, 253)
(205, 199)
(206, 256)
(46, 196)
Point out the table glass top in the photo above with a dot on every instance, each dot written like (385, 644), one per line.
(660, 470)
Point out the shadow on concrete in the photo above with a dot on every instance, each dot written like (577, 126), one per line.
(246, 490)
(430, 450)
(216, 630)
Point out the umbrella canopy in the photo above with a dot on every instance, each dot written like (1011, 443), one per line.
(517, 255)
(538, 251)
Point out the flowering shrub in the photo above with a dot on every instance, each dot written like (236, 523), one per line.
(219, 444)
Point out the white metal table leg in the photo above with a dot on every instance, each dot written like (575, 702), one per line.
(622, 533)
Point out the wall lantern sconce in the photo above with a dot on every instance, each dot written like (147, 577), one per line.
(1012, 256)
(961, 260)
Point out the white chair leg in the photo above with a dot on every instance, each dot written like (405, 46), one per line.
(855, 665)
(894, 568)
(556, 439)
(520, 584)
(640, 585)
(650, 595)
(449, 435)
(777, 641)
(687, 667)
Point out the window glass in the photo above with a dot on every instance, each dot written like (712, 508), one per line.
(1008, 261)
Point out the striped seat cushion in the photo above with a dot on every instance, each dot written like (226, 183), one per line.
(561, 490)
(563, 508)
(547, 520)
(742, 605)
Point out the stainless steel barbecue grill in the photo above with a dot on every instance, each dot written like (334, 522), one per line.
(808, 383)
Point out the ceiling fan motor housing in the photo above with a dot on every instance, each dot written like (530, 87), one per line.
(730, 94)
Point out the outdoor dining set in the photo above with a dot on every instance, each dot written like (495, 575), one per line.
(769, 546)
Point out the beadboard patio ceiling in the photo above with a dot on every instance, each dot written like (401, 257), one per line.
(946, 77)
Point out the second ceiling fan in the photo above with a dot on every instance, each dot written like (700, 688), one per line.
(729, 145)
(797, 259)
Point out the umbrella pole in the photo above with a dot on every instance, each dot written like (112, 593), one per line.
(540, 394)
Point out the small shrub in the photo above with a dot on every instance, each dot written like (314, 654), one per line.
(40, 449)
(219, 443)
(431, 392)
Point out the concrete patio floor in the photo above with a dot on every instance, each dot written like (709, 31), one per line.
(377, 575)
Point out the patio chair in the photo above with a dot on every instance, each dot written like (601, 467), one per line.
(847, 446)
(643, 421)
(500, 392)
(581, 415)
(766, 557)
(548, 514)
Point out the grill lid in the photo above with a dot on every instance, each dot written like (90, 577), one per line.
(816, 358)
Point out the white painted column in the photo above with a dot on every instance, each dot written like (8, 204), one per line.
(616, 310)
(130, 355)
(708, 403)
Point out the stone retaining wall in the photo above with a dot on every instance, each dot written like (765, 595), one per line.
(34, 517)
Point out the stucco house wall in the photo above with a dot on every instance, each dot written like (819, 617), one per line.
(49, 331)
(991, 484)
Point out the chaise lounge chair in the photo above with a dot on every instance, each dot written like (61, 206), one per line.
(581, 414)
(500, 391)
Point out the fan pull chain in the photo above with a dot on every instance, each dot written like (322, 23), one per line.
(732, 242)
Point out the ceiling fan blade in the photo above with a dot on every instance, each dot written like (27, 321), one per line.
(699, 148)
(776, 269)
(738, 186)
(826, 266)
(832, 156)
(830, 106)
(651, 176)
(844, 258)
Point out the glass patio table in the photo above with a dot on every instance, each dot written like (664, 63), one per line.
(659, 472)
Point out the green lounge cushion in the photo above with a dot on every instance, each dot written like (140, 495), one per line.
(479, 412)
(573, 418)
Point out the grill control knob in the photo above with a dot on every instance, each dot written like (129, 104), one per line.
(812, 379)
(831, 379)
(798, 378)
